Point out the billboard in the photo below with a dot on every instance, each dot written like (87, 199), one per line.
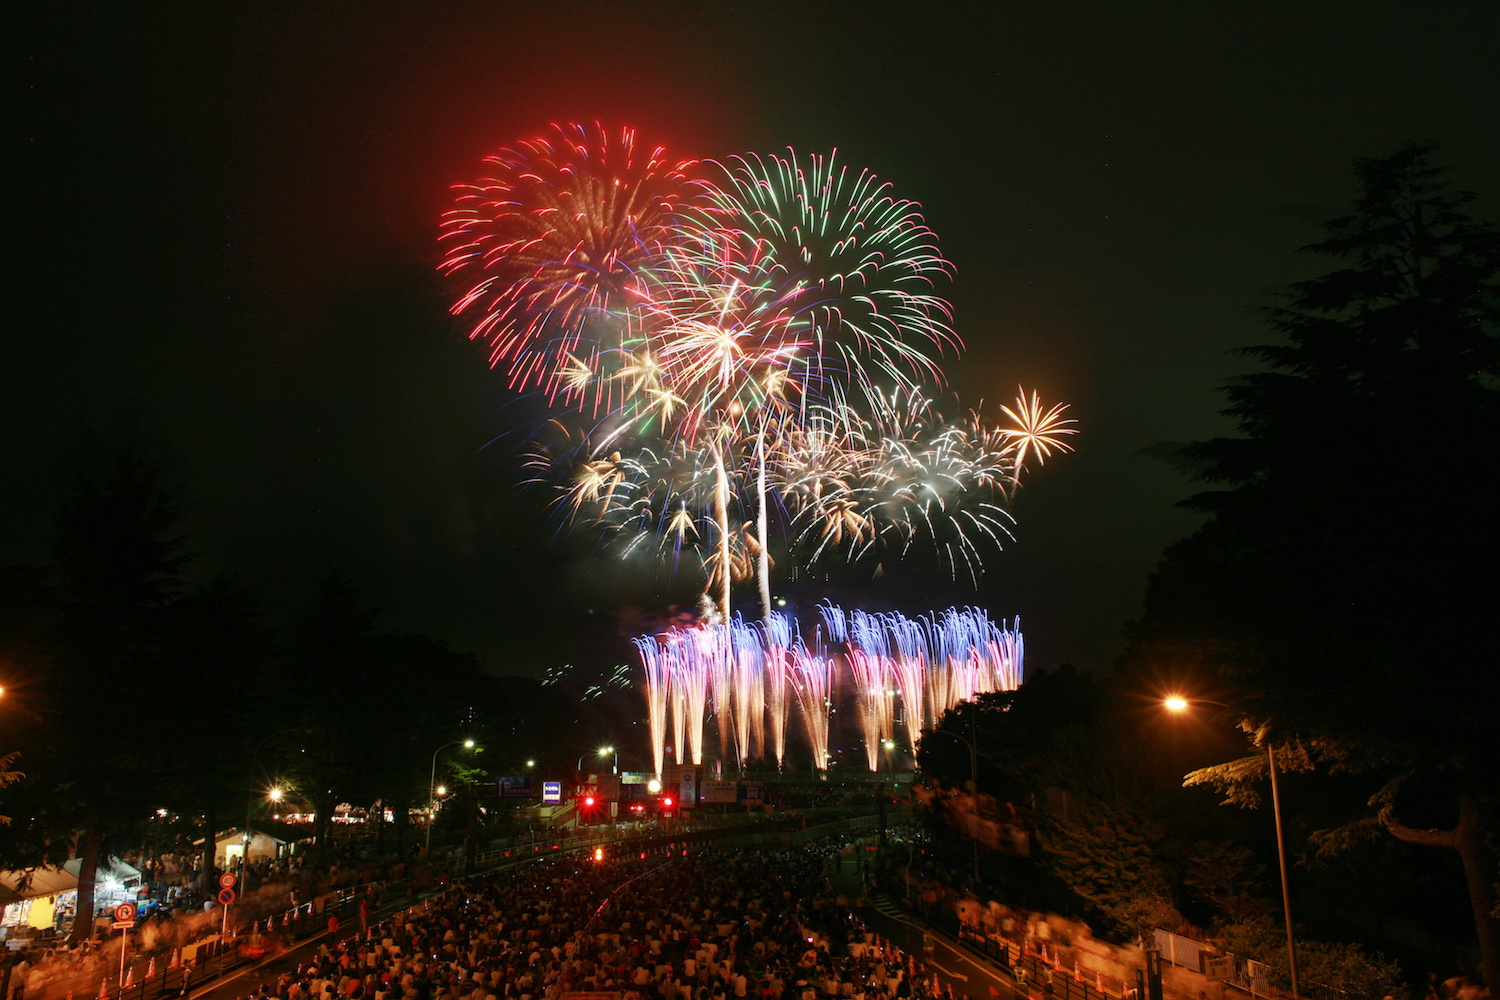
(515, 786)
(551, 792)
(687, 790)
(718, 791)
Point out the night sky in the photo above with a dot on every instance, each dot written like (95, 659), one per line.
(228, 218)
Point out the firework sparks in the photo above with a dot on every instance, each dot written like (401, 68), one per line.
(939, 659)
(555, 237)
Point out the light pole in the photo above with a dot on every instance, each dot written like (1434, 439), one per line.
(432, 786)
(250, 796)
(1177, 703)
(973, 786)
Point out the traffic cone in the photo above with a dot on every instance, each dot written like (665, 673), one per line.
(283, 921)
(129, 979)
(151, 968)
(1077, 972)
(104, 988)
(1099, 981)
(176, 953)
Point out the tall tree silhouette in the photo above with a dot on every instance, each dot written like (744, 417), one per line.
(1344, 579)
(119, 557)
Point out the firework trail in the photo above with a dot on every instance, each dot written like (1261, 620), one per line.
(910, 667)
(658, 691)
(868, 656)
(937, 660)
(690, 660)
(779, 645)
(748, 683)
(812, 682)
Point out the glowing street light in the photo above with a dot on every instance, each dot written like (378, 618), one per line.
(431, 787)
(1176, 703)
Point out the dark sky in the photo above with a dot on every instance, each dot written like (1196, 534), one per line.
(227, 221)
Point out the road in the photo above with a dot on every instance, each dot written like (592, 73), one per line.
(957, 967)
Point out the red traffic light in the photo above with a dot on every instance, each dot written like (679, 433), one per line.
(588, 801)
(666, 803)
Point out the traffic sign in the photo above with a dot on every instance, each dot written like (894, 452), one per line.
(124, 912)
(227, 880)
(123, 924)
(226, 896)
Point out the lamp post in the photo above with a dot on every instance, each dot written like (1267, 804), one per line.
(432, 787)
(250, 796)
(973, 784)
(1179, 704)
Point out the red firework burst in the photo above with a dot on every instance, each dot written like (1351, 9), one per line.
(549, 243)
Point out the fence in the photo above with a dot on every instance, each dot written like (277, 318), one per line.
(1039, 972)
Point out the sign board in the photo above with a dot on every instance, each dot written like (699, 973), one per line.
(124, 912)
(226, 896)
(687, 790)
(515, 787)
(635, 777)
(551, 792)
(123, 925)
(1217, 967)
(718, 791)
(752, 793)
(227, 880)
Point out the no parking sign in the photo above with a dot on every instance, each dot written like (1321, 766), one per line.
(226, 896)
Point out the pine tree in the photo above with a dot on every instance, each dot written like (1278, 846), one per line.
(1344, 580)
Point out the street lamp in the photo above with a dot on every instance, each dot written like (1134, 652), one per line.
(250, 797)
(432, 787)
(1176, 703)
(973, 781)
(603, 752)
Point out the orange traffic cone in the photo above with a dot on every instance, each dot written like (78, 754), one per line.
(104, 988)
(129, 979)
(1077, 972)
(151, 968)
(176, 953)
(1099, 981)
(283, 920)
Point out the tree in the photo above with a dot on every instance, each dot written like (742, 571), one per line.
(119, 563)
(1333, 584)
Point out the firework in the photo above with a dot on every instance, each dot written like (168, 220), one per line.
(658, 692)
(812, 682)
(732, 350)
(779, 646)
(856, 264)
(1036, 431)
(552, 241)
(938, 660)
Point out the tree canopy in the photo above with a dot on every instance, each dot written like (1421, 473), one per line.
(1342, 586)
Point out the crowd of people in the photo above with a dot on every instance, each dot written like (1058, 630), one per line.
(705, 925)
